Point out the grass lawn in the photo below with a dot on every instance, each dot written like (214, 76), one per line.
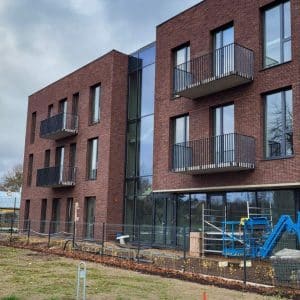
(32, 275)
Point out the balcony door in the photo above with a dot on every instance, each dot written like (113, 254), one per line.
(224, 51)
(63, 112)
(59, 162)
(223, 132)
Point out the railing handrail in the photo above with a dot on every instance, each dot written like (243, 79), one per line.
(59, 114)
(213, 137)
(211, 53)
(58, 166)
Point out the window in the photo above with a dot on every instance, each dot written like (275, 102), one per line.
(181, 151)
(72, 155)
(69, 215)
(43, 216)
(33, 125)
(26, 215)
(89, 217)
(59, 162)
(62, 109)
(181, 64)
(75, 101)
(277, 34)
(55, 216)
(223, 129)
(181, 129)
(279, 124)
(47, 158)
(95, 104)
(224, 51)
(74, 117)
(50, 110)
(29, 171)
(92, 159)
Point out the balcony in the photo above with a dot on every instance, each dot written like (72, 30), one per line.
(225, 68)
(56, 177)
(59, 126)
(223, 153)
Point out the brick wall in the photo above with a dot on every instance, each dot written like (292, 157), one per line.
(195, 26)
(111, 71)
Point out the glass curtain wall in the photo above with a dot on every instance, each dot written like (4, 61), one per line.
(139, 161)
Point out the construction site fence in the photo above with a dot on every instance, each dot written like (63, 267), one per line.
(161, 246)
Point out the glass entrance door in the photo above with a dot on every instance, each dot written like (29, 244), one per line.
(224, 51)
(223, 129)
(164, 221)
(59, 162)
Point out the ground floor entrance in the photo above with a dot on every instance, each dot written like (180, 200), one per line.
(169, 217)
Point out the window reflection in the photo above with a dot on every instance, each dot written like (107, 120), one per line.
(279, 124)
(277, 37)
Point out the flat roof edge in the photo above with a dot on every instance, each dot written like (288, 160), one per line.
(80, 68)
(180, 13)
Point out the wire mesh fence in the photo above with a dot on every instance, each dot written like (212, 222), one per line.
(160, 246)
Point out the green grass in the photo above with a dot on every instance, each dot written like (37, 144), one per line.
(29, 275)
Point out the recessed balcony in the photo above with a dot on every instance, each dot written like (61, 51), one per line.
(223, 153)
(224, 68)
(58, 176)
(59, 126)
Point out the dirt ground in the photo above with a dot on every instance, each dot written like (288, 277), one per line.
(31, 275)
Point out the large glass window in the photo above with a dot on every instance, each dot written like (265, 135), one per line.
(224, 51)
(92, 159)
(181, 57)
(32, 128)
(30, 169)
(69, 215)
(146, 146)
(89, 217)
(95, 104)
(43, 215)
(196, 211)
(279, 124)
(139, 158)
(277, 34)
(181, 129)
(223, 127)
(55, 215)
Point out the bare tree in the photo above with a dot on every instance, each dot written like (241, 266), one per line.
(12, 180)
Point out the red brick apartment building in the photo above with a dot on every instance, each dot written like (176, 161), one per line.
(201, 119)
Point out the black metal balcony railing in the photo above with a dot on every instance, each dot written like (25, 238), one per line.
(59, 126)
(224, 68)
(58, 176)
(228, 152)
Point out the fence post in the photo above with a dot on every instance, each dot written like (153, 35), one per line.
(103, 238)
(28, 231)
(74, 232)
(245, 263)
(139, 243)
(49, 233)
(184, 243)
(11, 227)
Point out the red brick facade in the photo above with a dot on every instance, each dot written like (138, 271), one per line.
(195, 26)
(110, 71)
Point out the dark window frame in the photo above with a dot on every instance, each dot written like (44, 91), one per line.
(89, 175)
(92, 104)
(30, 169)
(32, 127)
(283, 40)
(47, 158)
(283, 117)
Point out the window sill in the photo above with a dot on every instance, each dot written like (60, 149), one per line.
(278, 158)
(275, 66)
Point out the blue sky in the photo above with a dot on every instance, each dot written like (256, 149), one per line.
(43, 40)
